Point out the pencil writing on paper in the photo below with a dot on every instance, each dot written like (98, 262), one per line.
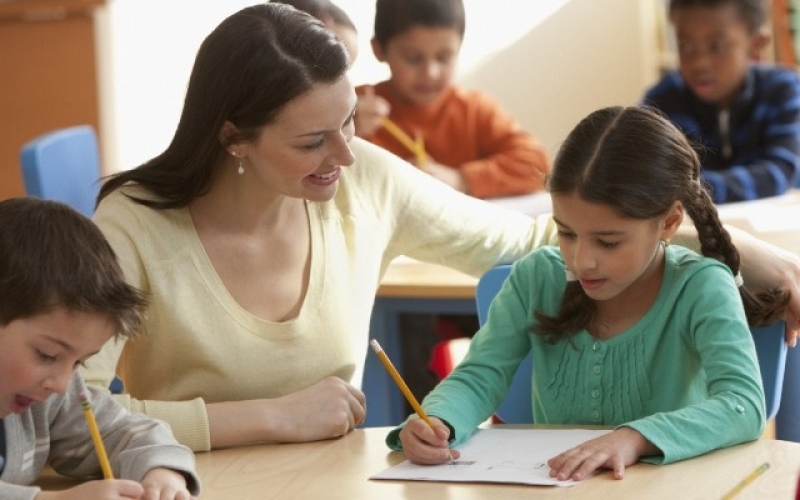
(746, 481)
(96, 437)
(387, 363)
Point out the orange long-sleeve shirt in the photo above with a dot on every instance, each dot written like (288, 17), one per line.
(467, 130)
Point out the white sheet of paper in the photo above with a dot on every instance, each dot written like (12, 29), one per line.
(500, 456)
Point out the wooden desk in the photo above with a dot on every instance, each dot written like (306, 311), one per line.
(417, 287)
(340, 470)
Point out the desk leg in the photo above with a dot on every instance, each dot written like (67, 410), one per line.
(385, 403)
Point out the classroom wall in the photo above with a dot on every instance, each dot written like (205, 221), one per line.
(587, 55)
(559, 59)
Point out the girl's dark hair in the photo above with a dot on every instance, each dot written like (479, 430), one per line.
(394, 17)
(52, 256)
(752, 12)
(253, 64)
(637, 162)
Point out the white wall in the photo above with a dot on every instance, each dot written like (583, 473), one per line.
(587, 55)
(548, 61)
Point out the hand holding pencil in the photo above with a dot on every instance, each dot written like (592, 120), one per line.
(426, 440)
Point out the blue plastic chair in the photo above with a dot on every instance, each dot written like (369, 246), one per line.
(517, 408)
(63, 165)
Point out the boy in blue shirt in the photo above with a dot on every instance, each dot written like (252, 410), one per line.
(743, 116)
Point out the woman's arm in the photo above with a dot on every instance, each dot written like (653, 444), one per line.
(326, 410)
(763, 266)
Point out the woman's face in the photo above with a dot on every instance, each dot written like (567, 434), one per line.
(300, 154)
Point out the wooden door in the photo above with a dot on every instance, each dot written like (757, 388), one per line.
(48, 75)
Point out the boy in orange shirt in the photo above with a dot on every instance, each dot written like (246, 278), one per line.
(471, 144)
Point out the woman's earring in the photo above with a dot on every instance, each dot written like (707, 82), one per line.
(240, 170)
(665, 243)
(571, 276)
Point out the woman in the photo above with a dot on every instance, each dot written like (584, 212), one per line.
(262, 233)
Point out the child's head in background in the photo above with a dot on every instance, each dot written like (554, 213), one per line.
(62, 296)
(420, 41)
(621, 182)
(334, 17)
(716, 41)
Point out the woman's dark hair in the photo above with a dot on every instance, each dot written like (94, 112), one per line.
(246, 71)
(324, 10)
(637, 162)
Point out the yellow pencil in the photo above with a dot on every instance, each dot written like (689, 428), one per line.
(399, 381)
(746, 481)
(416, 146)
(96, 438)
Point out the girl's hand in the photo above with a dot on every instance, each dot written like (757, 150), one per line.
(106, 489)
(423, 445)
(164, 484)
(613, 451)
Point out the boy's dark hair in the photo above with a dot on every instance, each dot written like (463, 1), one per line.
(246, 71)
(637, 162)
(393, 17)
(753, 12)
(52, 256)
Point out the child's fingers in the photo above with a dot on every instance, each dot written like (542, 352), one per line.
(618, 465)
(423, 445)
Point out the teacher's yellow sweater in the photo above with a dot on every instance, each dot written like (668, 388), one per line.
(200, 346)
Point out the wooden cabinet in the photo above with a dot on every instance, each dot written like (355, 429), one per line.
(48, 75)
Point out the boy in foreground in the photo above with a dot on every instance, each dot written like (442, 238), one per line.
(62, 296)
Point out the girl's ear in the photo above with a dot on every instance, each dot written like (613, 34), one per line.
(758, 43)
(672, 221)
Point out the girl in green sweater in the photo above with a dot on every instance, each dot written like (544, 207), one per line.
(625, 330)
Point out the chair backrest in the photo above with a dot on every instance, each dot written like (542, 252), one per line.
(517, 408)
(63, 165)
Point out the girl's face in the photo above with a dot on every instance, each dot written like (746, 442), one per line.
(301, 153)
(614, 257)
(39, 354)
